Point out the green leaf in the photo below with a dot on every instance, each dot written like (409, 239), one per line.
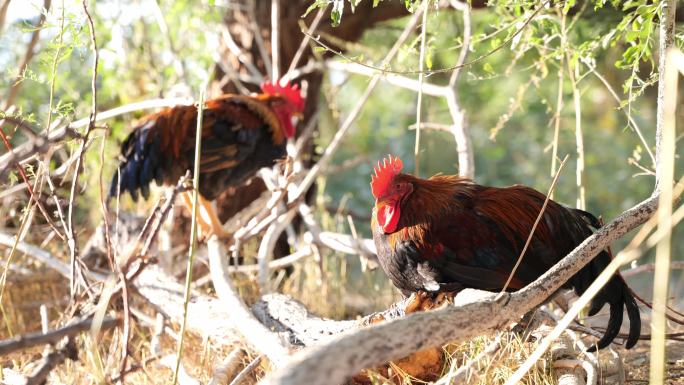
(337, 11)
(316, 4)
(429, 58)
(568, 4)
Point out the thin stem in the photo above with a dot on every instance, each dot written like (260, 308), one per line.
(383, 69)
(559, 100)
(665, 154)
(353, 114)
(28, 56)
(193, 231)
(421, 76)
(305, 41)
(573, 73)
(666, 42)
(534, 226)
(467, 37)
(71, 234)
(55, 62)
(630, 119)
(275, 42)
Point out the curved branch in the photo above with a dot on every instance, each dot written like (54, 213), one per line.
(75, 327)
(256, 334)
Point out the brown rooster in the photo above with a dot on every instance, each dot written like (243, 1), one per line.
(240, 135)
(447, 233)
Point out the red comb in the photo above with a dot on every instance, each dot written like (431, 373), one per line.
(290, 92)
(384, 173)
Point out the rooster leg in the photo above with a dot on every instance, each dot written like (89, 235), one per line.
(207, 219)
(423, 300)
(419, 301)
(444, 298)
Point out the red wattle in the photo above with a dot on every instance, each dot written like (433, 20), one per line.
(388, 217)
(285, 118)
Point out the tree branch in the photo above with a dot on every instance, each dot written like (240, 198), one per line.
(26, 341)
(256, 334)
(666, 41)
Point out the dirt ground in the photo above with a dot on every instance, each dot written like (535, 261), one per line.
(637, 364)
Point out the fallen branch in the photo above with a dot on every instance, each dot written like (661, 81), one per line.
(26, 341)
(206, 315)
(228, 368)
(51, 361)
(244, 372)
(256, 334)
(287, 316)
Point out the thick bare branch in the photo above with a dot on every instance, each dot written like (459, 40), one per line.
(206, 315)
(666, 42)
(256, 334)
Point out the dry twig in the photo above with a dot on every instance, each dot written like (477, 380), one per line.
(76, 273)
(22, 342)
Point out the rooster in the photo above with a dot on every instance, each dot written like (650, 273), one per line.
(240, 135)
(446, 233)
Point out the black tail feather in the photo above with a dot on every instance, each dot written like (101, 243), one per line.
(615, 293)
(614, 324)
(634, 318)
(140, 164)
(618, 296)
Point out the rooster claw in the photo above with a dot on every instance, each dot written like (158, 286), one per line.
(424, 300)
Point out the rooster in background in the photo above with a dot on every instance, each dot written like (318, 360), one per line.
(240, 135)
(447, 233)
